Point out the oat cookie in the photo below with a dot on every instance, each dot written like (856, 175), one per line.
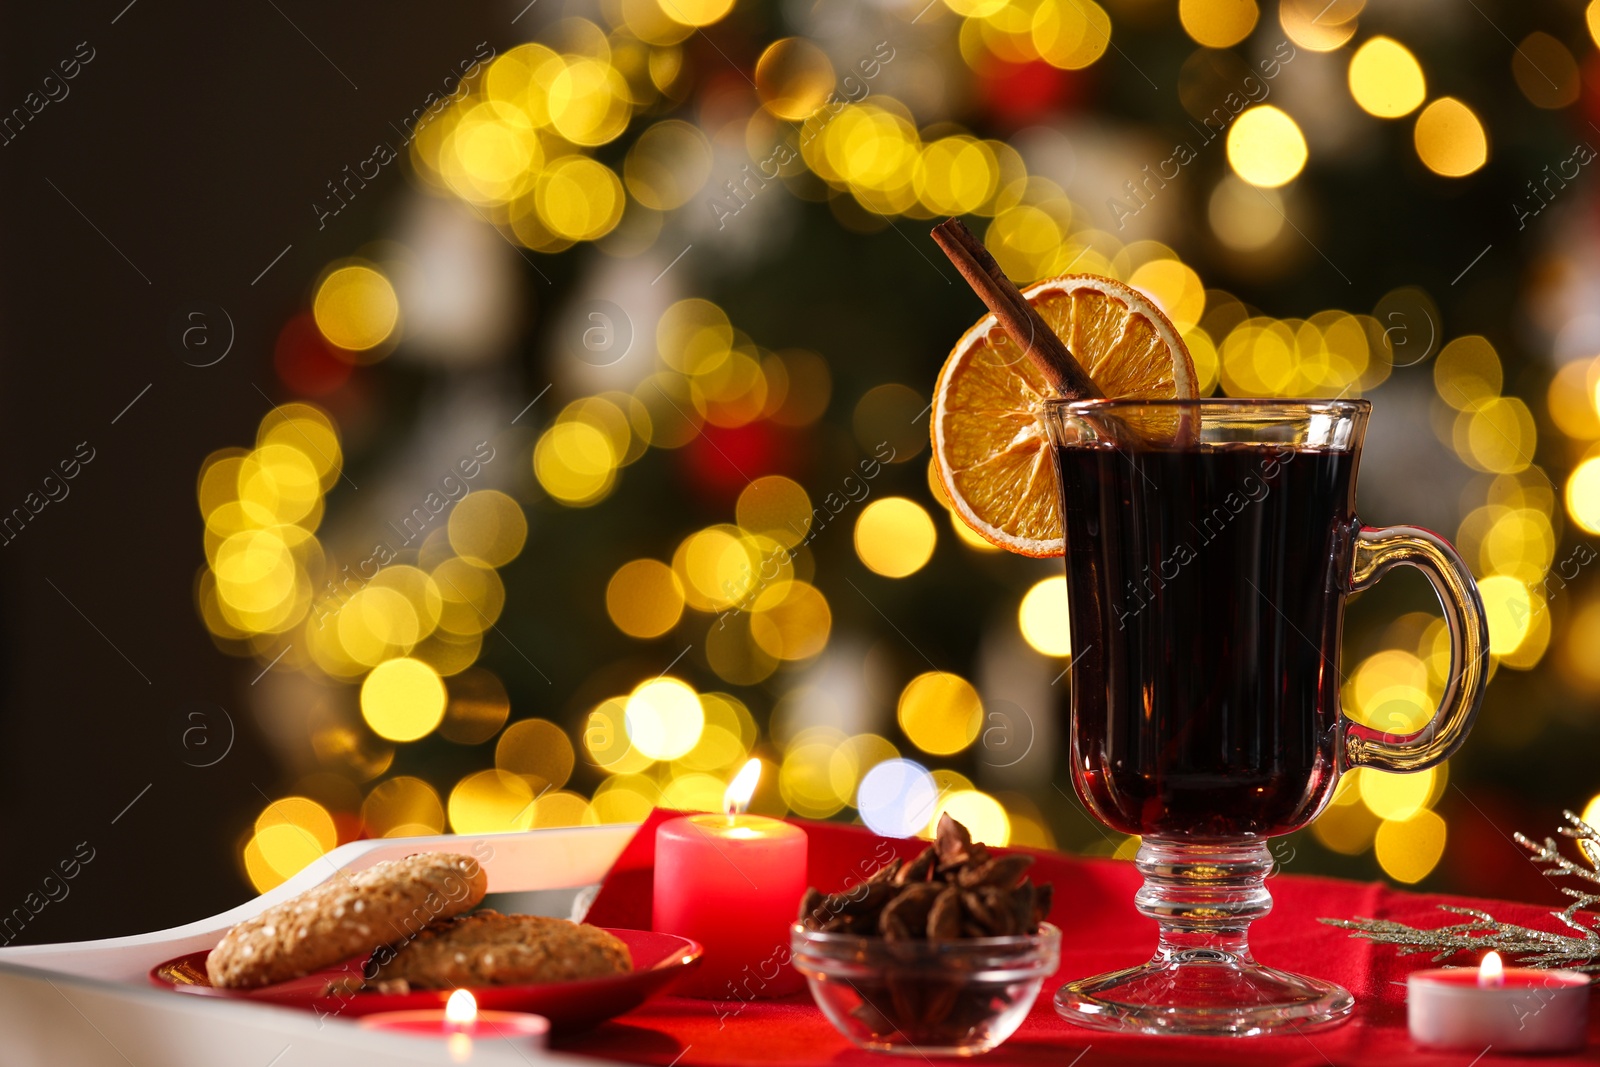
(487, 948)
(345, 916)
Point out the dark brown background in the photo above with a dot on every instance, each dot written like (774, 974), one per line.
(197, 140)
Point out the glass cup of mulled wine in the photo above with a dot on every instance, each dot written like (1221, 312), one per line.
(1210, 548)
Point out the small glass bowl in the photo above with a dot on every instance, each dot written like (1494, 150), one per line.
(926, 998)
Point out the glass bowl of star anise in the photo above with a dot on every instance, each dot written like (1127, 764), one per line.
(943, 956)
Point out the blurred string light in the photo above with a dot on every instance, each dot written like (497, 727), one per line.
(1450, 140)
(1386, 79)
(895, 536)
(1319, 25)
(1218, 23)
(1266, 147)
(356, 308)
(1042, 617)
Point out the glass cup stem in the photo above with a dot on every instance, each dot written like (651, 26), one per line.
(1202, 979)
(1204, 896)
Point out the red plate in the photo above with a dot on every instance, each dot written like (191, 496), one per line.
(570, 1006)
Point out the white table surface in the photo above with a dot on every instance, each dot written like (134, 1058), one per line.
(91, 1003)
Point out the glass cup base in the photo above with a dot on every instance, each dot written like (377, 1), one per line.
(1204, 992)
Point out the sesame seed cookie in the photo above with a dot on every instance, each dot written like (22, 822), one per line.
(345, 916)
(487, 948)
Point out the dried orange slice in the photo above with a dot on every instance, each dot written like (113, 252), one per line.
(989, 437)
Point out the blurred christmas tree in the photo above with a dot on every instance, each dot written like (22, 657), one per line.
(635, 381)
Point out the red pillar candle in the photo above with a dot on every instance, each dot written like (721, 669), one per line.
(732, 882)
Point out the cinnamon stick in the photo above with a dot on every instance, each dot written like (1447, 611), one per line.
(1039, 343)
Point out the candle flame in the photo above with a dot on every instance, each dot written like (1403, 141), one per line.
(1491, 972)
(737, 796)
(461, 1008)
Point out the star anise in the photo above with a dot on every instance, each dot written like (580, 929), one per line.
(953, 888)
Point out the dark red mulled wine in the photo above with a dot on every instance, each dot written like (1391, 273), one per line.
(1207, 588)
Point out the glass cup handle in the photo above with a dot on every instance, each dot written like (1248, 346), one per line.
(1378, 548)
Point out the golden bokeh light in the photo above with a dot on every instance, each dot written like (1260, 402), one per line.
(625, 798)
(1591, 810)
(1409, 849)
(1347, 825)
(309, 431)
(1395, 796)
(576, 463)
(1318, 25)
(290, 834)
(980, 813)
(605, 739)
(1570, 401)
(403, 699)
(895, 536)
(578, 198)
(306, 814)
(775, 507)
(956, 175)
(491, 802)
(1243, 217)
(1583, 494)
(797, 626)
(732, 652)
(1218, 23)
(1386, 79)
(1175, 287)
(793, 78)
(562, 808)
(471, 596)
(1467, 371)
(668, 164)
(663, 718)
(644, 598)
(487, 160)
(538, 751)
(402, 806)
(1069, 34)
(694, 336)
(805, 778)
(693, 791)
(1266, 147)
(719, 749)
(1042, 616)
(718, 567)
(1498, 435)
(696, 12)
(277, 853)
(356, 308)
(940, 712)
(1508, 606)
(1450, 140)
(278, 483)
(377, 623)
(488, 526)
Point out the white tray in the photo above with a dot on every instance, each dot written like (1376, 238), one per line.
(91, 1002)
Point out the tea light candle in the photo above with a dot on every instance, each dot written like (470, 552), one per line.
(1499, 1008)
(459, 1021)
(732, 882)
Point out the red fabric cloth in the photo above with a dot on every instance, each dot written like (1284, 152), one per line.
(1100, 932)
